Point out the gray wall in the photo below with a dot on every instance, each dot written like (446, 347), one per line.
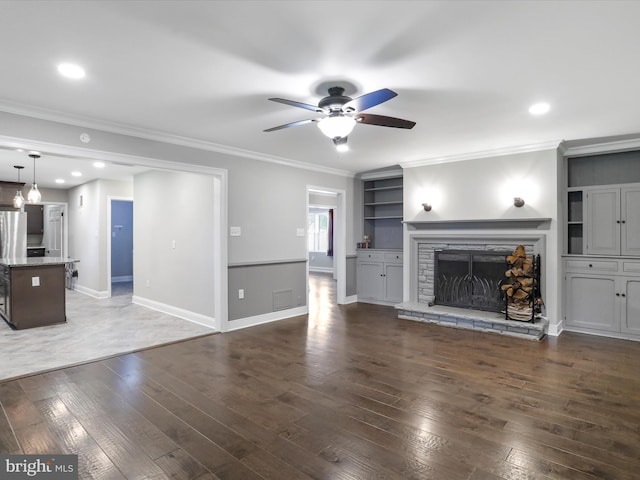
(267, 200)
(285, 288)
(88, 231)
(173, 238)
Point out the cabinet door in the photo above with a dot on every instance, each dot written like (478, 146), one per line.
(630, 218)
(603, 222)
(631, 306)
(592, 302)
(35, 217)
(393, 283)
(370, 280)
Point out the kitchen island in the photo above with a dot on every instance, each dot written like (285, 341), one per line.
(32, 291)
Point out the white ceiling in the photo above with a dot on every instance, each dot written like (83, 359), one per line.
(465, 71)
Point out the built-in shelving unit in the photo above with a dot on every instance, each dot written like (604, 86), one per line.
(383, 212)
(575, 230)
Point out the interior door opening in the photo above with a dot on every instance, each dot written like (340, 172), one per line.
(121, 263)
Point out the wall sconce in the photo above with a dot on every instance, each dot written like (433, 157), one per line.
(518, 202)
(427, 207)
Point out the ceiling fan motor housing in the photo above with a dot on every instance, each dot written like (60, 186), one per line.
(335, 100)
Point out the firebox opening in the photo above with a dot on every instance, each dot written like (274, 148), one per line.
(470, 279)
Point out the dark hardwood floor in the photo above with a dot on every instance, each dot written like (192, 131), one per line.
(349, 393)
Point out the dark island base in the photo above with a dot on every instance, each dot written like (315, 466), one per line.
(35, 296)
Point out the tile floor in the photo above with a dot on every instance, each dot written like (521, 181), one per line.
(95, 329)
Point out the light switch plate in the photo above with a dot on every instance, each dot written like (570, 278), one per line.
(35, 281)
(235, 231)
(300, 232)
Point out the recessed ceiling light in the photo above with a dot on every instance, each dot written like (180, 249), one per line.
(76, 174)
(98, 164)
(539, 108)
(70, 70)
(59, 180)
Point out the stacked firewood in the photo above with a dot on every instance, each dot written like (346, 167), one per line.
(520, 286)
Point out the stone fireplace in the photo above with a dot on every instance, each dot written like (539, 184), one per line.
(487, 314)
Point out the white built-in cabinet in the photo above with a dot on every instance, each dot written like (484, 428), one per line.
(602, 261)
(612, 221)
(379, 276)
(603, 294)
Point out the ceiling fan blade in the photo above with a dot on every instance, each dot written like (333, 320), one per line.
(292, 124)
(293, 103)
(369, 100)
(384, 121)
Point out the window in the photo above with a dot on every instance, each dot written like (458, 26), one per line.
(318, 231)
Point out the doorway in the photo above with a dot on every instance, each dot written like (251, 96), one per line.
(121, 247)
(322, 199)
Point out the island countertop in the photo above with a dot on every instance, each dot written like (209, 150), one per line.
(35, 261)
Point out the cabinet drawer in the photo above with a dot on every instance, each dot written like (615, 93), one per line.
(390, 257)
(371, 256)
(630, 266)
(592, 266)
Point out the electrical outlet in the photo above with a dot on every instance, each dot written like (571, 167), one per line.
(173, 244)
(147, 283)
(241, 293)
(35, 281)
(235, 231)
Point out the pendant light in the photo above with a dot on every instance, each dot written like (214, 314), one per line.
(18, 200)
(34, 195)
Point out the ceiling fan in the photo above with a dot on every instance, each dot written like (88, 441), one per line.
(341, 113)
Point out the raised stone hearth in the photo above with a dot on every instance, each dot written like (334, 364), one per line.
(472, 320)
(420, 305)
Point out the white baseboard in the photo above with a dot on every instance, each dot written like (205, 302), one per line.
(321, 269)
(265, 318)
(91, 292)
(125, 278)
(198, 318)
(351, 299)
(619, 336)
(555, 330)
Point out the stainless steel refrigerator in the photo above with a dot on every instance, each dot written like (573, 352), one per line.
(13, 234)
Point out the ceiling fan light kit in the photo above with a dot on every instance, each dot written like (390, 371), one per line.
(341, 113)
(337, 126)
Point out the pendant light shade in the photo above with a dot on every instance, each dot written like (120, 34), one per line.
(18, 200)
(34, 195)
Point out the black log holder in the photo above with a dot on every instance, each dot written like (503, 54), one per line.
(535, 297)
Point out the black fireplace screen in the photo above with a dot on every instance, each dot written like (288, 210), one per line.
(470, 279)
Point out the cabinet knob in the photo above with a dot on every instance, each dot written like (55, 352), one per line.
(624, 221)
(623, 295)
(617, 221)
(617, 294)
(590, 265)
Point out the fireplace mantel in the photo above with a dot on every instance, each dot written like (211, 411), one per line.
(489, 223)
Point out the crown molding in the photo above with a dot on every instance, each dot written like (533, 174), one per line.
(112, 157)
(603, 147)
(163, 137)
(537, 147)
(395, 172)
